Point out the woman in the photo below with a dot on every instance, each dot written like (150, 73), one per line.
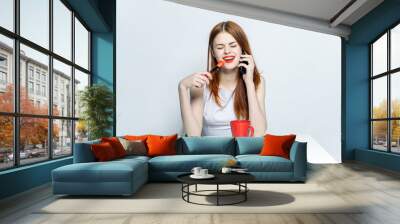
(210, 101)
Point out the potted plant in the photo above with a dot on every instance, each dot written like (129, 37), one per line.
(96, 102)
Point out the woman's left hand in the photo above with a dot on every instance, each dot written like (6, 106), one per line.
(248, 76)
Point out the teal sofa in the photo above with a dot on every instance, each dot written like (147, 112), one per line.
(125, 176)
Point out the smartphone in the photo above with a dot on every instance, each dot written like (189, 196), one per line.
(242, 70)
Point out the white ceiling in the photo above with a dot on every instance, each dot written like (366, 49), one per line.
(320, 9)
(316, 15)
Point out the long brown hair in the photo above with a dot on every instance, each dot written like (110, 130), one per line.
(241, 107)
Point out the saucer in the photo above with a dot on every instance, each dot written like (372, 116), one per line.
(208, 176)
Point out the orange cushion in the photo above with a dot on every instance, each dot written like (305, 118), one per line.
(103, 151)
(161, 145)
(277, 145)
(116, 145)
(136, 137)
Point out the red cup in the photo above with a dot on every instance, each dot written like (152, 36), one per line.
(241, 128)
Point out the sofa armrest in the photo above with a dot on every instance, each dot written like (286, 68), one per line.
(298, 155)
(83, 152)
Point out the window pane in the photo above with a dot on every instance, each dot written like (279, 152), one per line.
(62, 89)
(395, 136)
(34, 97)
(35, 21)
(33, 140)
(62, 137)
(81, 45)
(6, 142)
(81, 131)
(62, 29)
(379, 135)
(395, 94)
(6, 74)
(379, 88)
(7, 14)
(81, 81)
(379, 55)
(395, 47)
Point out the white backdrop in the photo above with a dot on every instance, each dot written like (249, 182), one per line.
(160, 42)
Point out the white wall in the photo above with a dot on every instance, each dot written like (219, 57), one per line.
(160, 42)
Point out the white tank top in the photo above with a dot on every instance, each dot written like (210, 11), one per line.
(216, 119)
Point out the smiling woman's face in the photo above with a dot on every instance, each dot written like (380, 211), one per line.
(226, 48)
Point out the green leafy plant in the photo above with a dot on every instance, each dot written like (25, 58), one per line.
(96, 102)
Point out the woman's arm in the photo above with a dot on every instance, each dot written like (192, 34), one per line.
(256, 101)
(191, 103)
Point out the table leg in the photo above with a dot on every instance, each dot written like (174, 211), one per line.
(196, 188)
(217, 194)
(245, 193)
(188, 190)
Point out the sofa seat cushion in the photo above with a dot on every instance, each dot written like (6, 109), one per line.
(112, 171)
(185, 163)
(257, 163)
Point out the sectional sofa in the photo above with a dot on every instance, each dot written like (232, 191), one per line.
(125, 176)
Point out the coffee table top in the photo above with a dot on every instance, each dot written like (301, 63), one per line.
(220, 178)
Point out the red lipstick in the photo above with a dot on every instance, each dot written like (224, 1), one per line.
(229, 59)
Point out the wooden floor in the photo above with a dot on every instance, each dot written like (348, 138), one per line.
(377, 188)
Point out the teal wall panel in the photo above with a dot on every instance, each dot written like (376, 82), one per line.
(357, 85)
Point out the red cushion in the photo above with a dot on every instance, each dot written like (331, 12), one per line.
(277, 145)
(103, 151)
(116, 145)
(161, 145)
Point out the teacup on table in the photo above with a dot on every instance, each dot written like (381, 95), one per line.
(203, 172)
(198, 171)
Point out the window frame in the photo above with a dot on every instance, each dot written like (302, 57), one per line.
(388, 74)
(15, 72)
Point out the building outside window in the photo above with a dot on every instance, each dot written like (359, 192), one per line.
(3, 61)
(3, 72)
(30, 72)
(37, 74)
(30, 87)
(43, 90)
(43, 77)
(3, 78)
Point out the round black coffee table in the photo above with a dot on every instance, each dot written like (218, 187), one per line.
(238, 179)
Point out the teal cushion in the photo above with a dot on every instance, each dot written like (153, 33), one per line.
(249, 145)
(257, 163)
(185, 163)
(206, 145)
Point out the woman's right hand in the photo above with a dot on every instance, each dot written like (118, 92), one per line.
(198, 79)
